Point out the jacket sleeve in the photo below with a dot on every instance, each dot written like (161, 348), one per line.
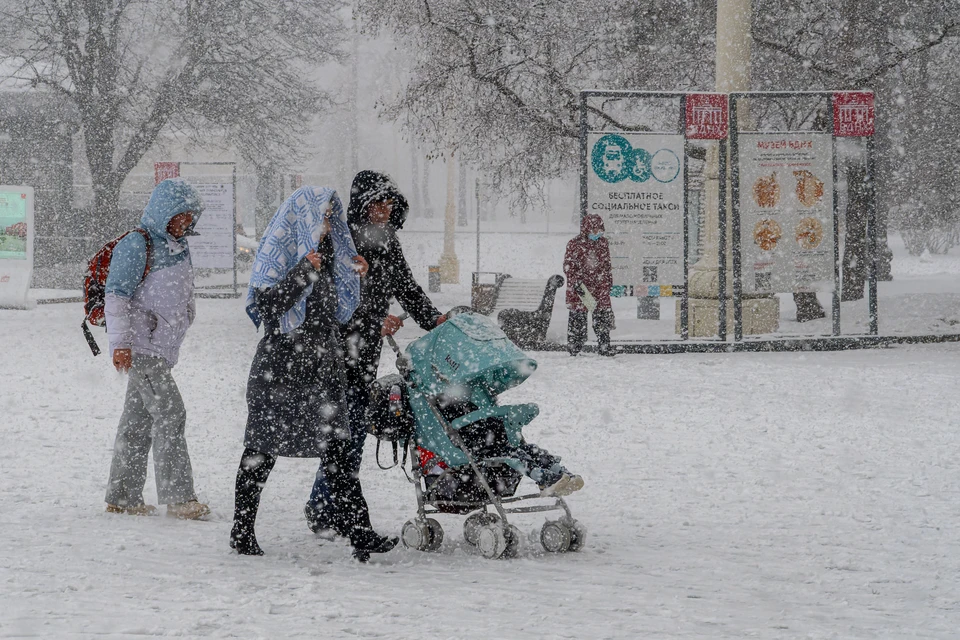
(571, 266)
(275, 302)
(116, 309)
(127, 264)
(408, 293)
(606, 269)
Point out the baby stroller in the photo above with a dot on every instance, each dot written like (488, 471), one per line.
(447, 389)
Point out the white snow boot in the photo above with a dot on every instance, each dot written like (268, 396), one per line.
(566, 485)
(133, 510)
(191, 510)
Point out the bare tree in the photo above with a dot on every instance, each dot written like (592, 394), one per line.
(214, 70)
(885, 45)
(500, 79)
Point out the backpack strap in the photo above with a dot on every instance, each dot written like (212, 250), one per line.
(395, 461)
(146, 238)
(91, 342)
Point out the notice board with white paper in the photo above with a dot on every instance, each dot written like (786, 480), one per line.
(213, 248)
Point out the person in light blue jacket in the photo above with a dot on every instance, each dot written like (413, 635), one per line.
(147, 318)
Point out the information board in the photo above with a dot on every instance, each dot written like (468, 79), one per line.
(213, 248)
(786, 212)
(13, 225)
(635, 183)
(16, 245)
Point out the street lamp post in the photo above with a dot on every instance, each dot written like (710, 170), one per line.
(760, 314)
(449, 263)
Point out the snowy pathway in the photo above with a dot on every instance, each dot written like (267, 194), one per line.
(747, 495)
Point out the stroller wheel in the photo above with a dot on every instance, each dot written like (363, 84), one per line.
(513, 541)
(491, 541)
(498, 541)
(471, 526)
(426, 535)
(436, 535)
(578, 534)
(555, 536)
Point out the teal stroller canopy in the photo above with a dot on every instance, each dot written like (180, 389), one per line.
(468, 350)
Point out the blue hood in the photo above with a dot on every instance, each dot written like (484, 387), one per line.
(170, 197)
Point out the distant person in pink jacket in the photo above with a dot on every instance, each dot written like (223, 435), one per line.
(589, 280)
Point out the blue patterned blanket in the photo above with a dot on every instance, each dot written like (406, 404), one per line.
(294, 232)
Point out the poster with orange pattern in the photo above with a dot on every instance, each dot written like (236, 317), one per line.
(786, 212)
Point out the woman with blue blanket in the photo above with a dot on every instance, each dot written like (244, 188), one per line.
(305, 283)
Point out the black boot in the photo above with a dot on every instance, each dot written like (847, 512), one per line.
(808, 307)
(252, 474)
(367, 541)
(321, 525)
(351, 515)
(243, 540)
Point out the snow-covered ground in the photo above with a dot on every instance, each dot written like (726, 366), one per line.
(727, 496)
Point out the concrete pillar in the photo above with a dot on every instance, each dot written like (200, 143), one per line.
(449, 264)
(760, 314)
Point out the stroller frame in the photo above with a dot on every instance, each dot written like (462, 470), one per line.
(491, 533)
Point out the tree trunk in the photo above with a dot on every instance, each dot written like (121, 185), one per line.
(98, 140)
(106, 205)
(855, 240)
(268, 196)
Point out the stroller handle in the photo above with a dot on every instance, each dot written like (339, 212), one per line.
(393, 343)
(402, 364)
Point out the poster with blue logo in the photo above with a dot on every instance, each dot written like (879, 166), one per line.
(635, 183)
(16, 245)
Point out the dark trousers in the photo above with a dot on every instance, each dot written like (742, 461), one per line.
(342, 502)
(337, 498)
(577, 329)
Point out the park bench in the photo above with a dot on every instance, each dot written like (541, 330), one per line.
(522, 307)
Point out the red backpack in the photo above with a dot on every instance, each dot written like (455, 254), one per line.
(94, 285)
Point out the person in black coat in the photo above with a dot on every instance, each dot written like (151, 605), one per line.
(296, 390)
(377, 210)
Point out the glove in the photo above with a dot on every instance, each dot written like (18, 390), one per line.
(587, 298)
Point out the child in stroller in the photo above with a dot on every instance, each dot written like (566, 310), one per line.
(487, 439)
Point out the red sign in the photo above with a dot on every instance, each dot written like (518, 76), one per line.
(707, 116)
(853, 114)
(164, 170)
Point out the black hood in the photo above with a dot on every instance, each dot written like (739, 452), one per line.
(370, 186)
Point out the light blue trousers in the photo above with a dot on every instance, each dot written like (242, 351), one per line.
(153, 415)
